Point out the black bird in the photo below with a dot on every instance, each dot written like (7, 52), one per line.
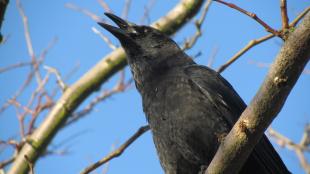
(189, 107)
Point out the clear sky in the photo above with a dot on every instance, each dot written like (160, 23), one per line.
(117, 118)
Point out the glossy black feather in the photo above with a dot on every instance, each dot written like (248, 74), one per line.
(189, 107)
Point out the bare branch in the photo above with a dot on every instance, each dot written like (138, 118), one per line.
(253, 16)
(18, 92)
(104, 38)
(251, 44)
(266, 104)
(16, 65)
(85, 11)
(105, 6)
(29, 42)
(6, 162)
(147, 9)
(119, 87)
(283, 141)
(255, 42)
(190, 43)
(299, 17)
(89, 83)
(126, 9)
(298, 148)
(60, 82)
(43, 54)
(67, 76)
(38, 109)
(284, 16)
(118, 151)
(30, 75)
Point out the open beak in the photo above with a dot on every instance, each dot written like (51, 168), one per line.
(124, 26)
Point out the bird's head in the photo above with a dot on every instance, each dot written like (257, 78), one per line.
(141, 42)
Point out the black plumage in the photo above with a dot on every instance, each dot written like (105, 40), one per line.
(189, 107)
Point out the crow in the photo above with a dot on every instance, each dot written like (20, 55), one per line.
(189, 107)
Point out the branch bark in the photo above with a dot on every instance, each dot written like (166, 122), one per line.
(90, 82)
(266, 104)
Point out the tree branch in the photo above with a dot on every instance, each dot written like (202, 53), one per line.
(255, 42)
(251, 15)
(251, 44)
(89, 83)
(284, 16)
(299, 148)
(266, 104)
(117, 152)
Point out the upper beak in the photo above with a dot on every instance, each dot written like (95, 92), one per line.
(118, 21)
(124, 26)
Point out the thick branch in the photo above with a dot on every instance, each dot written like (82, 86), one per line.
(90, 82)
(266, 104)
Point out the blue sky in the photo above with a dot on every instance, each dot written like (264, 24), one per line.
(117, 118)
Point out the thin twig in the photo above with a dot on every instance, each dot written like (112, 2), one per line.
(18, 92)
(126, 9)
(284, 16)
(32, 72)
(13, 66)
(91, 82)
(13, 143)
(283, 141)
(251, 15)
(104, 38)
(118, 151)
(105, 6)
(38, 90)
(6, 162)
(60, 82)
(298, 148)
(67, 77)
(27, 109)
(20, 117)
(251, 44)
(43, 54)
(147, 9)
(119, 87)
(29, 42)
(38, 109)
(190, 43)
(85, 11)
(299, 17)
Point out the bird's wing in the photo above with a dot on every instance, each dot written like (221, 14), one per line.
(224, 97)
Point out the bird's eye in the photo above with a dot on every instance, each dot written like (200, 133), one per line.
(139, 31)
(142, 30)
(146, 30)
